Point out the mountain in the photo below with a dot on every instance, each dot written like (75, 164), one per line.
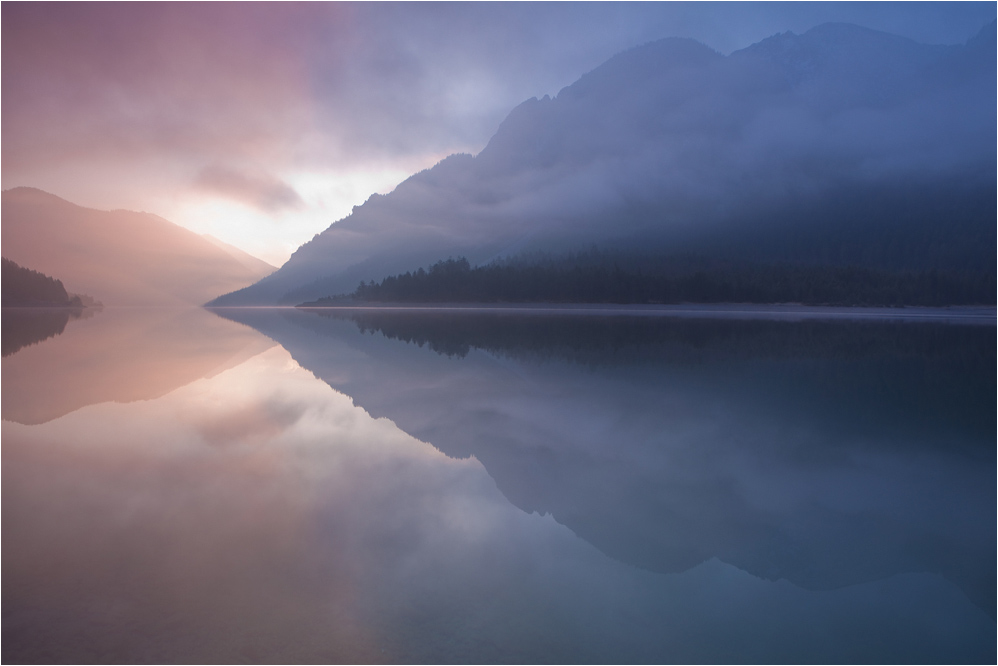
(248, 261)
(840, 146)
(119, 257)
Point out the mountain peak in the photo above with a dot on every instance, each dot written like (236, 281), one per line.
(24, 192)
(833, 41)
(640, 64)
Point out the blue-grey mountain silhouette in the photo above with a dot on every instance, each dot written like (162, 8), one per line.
(840, 146)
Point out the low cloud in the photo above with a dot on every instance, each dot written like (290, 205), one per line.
(257, 189)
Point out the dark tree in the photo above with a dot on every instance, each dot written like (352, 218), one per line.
(23, 287)
(600, 277)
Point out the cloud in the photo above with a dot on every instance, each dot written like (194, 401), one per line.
(121, 105)
(258, 189)
(327, 84)
(124, 82)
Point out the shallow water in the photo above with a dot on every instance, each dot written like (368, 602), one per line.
(373, 486)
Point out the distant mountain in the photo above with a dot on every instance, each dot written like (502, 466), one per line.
(119, 257)
(841, 146)
(250, 262)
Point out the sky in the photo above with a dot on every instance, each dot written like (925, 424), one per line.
(263, 123)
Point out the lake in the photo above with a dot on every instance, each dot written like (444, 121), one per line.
(580, 485)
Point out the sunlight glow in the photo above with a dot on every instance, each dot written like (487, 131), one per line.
(328, 196)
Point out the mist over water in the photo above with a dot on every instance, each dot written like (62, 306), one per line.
(489, 488)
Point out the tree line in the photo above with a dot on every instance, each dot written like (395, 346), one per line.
(604, 278)
(24, 287)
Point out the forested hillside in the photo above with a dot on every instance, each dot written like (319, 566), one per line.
(23, 287)
(606, 278)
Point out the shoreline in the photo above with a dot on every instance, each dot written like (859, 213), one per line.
(969, 314)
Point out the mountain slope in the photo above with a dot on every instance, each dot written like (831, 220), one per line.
(118, 257)
(250, 262)
(841, 146)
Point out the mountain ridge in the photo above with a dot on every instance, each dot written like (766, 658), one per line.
(676, 146)
(119, 257)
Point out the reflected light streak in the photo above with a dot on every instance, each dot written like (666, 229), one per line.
(238, 508)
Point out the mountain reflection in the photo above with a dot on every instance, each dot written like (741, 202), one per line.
(119, 355)
(824, 453)
(222, 503)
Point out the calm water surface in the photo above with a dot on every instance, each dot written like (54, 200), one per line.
(373, 486)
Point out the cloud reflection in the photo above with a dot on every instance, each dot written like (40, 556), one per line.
(120, 355)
